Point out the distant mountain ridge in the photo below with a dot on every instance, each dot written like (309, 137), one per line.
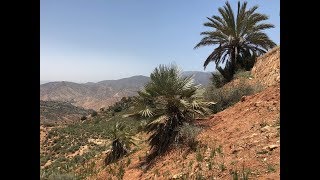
(104, 93)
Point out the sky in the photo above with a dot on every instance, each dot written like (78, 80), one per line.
(90, 41)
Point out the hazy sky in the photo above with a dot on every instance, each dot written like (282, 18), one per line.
(94, 40)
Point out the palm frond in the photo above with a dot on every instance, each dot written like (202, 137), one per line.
(146, 112)
(233, 34)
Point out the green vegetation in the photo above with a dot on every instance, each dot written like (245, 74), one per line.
(64, 141)
(94, 113)
(62, 177)
(123, 104)
(187, 135)
(83, 118)
(227, 96)
(53, 111)
(166, 108)
(240, 38)
(199, 156)
(169, 100)
(121, 142)
(243, 175)
(271, 168)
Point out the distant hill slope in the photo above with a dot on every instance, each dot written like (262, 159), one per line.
(104, 93)
(60, 111)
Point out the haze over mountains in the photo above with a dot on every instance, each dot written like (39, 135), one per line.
(104, 93)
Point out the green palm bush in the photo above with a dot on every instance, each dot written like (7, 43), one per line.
(168, 101)
(120, 145)
(240, 39)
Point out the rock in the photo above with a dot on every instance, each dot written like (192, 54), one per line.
(143, 167)
(177, 176)
(256, 141)
(271, 147)
(253, 135)
(236, 150)
(256, 104)
(266, 128)
(264, 159)
(271, 135)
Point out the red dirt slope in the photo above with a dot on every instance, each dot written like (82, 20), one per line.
(246, 135)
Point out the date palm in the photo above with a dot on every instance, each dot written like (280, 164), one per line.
(240, 39)
(168, 100)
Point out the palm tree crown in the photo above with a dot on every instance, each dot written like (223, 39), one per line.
(168, 100)
(240, 39)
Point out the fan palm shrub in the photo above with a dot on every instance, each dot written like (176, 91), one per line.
(168, 101)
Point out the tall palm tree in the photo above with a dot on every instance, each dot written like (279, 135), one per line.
(169, 100)
(240, 39)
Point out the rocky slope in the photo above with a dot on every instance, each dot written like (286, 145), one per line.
(267, 68)
(244, 138)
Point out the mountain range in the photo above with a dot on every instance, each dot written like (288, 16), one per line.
(104, 93)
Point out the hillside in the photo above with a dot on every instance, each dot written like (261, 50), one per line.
(271, 75)
(104, 93)
(53, 111)
(242, 139)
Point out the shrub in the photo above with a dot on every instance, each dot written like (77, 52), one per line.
(83, 118)
(229, 95)
(62, 177)
(217, 80)
(243, 74)
(94, 113)
(243, 175)
(187, 135)
(142, 126)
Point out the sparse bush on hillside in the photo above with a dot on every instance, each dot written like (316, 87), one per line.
(47, 124)
(123, 104)
(56, 111)
(187, 135)
(62, 177)
(243, 74)
(94, 113)
(227, 96)
(83, 118)
(62, 141)
(217, 80)
(243, 175)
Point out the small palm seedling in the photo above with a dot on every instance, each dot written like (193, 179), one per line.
(120, 145)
